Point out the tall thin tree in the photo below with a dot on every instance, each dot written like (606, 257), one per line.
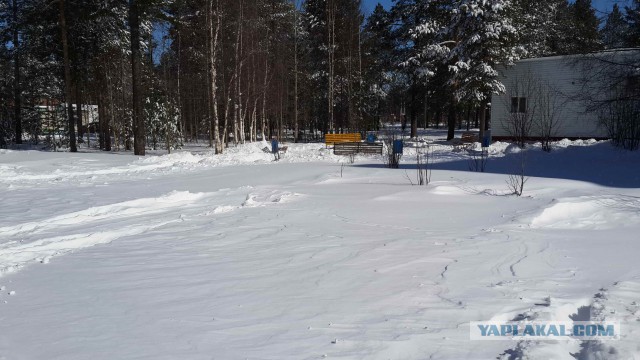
(17, 90)
(139, 133)
(67, 78)
(211, 61)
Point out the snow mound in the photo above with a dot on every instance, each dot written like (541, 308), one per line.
(579, 142)
(589, 212)
(223, 209)
(497, 148)
(111, 212)
(448, 190)
(39, 241)
(512, 149)
(179, 158)
(262, 199)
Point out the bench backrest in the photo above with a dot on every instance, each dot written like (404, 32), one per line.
(469, 137)
(331, 139)
(349, 148)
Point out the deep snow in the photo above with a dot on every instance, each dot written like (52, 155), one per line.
(197, 256)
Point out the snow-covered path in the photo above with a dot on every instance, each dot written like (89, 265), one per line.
(293, 261)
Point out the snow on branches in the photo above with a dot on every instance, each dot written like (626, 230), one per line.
(467, 39)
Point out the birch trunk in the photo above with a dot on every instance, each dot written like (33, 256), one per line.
(139, 133)
(213, 48)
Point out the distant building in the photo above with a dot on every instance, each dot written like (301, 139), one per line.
(574, 89)
(53, 114)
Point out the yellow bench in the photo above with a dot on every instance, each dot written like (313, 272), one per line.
(464, 141)
(332, 139)
(468, 138)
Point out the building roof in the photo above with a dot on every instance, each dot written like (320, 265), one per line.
(573, 56)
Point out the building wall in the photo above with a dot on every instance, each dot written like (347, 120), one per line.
(53, 117)
(565, 79)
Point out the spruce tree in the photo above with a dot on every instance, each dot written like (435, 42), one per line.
(542, 26)
(633, 20)
(469, 39)
(615, 30)
(560, 35)
(379, 45)
(584, 24)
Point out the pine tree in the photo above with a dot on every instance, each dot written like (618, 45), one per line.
(11, 28)
(5, 83)
(334, 28)
(633, 19)
(380, 54)
(560, 34)
(469, 40)
(615, 29)
(541, 25)
(584, 23)
(421, 64)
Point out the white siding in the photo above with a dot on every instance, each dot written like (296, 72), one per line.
(574, 121)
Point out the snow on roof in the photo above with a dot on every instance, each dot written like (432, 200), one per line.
(559, 57)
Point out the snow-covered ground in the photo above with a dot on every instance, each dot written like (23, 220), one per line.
(197, 256)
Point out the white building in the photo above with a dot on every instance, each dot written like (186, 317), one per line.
(570, 87)
(53, 116)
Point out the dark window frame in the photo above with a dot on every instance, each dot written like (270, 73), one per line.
(518, 105)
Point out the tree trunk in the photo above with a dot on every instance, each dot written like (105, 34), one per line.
(109, 120)
(253, 123)
(264, 97)
(213, 48)
(295, 74)
(451, 120)
(425, 112)
(236, 86)
(414, 118)
(468, 117)
(181, 112)
(476, 118)
(360, 92)
(483, 119)
(139, 133)
(403, 116)
(79, 109)
(330, 45)
(101, 117)
(67, 78)
(17, 91)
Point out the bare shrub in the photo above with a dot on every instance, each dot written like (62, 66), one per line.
(391, 159)
(547, 122)
(611, 88)
(423, 165)
(621, 119)
(520, 121)
(516, 181)
(479, 159)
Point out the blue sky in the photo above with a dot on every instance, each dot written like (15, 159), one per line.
(603, 6)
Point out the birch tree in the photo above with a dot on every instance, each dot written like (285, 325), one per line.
(214, 31)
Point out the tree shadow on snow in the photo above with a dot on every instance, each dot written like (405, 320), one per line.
(600, 164)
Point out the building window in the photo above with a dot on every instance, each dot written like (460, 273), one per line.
(632, 85)
(518, 105)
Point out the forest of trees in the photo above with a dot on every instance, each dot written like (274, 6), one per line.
(223, 72)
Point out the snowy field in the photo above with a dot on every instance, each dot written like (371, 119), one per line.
(196, 256)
